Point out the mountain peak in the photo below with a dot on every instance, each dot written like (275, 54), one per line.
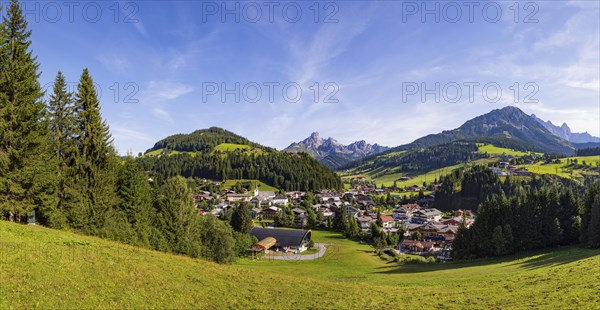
(332, 153)
(564, 132)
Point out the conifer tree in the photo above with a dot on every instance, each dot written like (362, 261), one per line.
(135, 200)
(62, 128)
(594, 225)
(241, 221)
(176, 218)
(97, 157)
(26, 178)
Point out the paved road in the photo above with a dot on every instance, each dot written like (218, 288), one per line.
(322, 248)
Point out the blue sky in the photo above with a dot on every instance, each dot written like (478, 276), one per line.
(166, 55)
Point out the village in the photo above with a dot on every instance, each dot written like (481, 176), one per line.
(420, 228)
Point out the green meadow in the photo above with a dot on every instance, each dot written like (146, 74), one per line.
(43, 268)
(387, 179)
(493, 150)
(564, 170)
(228, 184)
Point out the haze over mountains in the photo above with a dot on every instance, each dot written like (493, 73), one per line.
(332, 153)
(564, 132)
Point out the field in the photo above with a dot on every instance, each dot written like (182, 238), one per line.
(562, 169)
(387, 176)
(493, 150)
(223, 147)
(170, 152)
(43, 268)
(261, 185)
(388, 179)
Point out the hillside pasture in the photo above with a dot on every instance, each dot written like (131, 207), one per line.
(43, 268)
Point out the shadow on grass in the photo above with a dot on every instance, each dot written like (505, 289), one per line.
(528, 260)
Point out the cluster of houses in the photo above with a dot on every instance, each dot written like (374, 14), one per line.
(266, 204)
(426, 230)
(361, 184)
(428, 233)
(506, 169)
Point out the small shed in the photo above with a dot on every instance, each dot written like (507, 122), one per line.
(264, 244)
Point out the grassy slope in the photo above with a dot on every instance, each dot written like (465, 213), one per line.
(561, 169)
(493, 150)
(54, 269)
(228, 147)
(261, 185)
(388, 179)
(381, 177)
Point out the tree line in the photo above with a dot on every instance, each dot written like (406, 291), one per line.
(282, 170)
(519, 215)
(593, 151)
(57, 159)
(422, 159)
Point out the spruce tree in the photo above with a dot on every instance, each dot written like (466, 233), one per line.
(176, 217)
(241, 221)
(62, 128)
(97, 157)
(594, 225)
(26, 178)
(135, 201)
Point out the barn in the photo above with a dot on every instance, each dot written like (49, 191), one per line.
(287, 240)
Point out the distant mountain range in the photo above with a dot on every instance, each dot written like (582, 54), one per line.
(508, 127)
(564, 132)
(333, 154)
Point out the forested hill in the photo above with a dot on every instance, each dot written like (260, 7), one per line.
(202, 140)
(218, 154)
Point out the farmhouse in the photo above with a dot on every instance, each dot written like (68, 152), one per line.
(280, 200)
(270, 213)
(416, 247)
(299, 216)
(427, 215)
(364, 222)
(264, 194)
(405, 211)
(285, 240)
(238, 197)
(388, 221)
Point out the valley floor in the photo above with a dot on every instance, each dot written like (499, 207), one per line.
(43, 268)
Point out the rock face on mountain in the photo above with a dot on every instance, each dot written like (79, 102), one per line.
(332, 153)
(564, 132)
(509, 123)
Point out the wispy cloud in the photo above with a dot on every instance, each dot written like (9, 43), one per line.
(115, 63)
(126, 133)
(160, 91)
(139, 26)
(162, 114)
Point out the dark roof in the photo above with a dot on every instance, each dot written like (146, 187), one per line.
(284, 238)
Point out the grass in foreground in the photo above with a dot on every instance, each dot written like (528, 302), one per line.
(54, 269)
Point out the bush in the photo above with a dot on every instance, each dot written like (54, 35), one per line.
(412, 259)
